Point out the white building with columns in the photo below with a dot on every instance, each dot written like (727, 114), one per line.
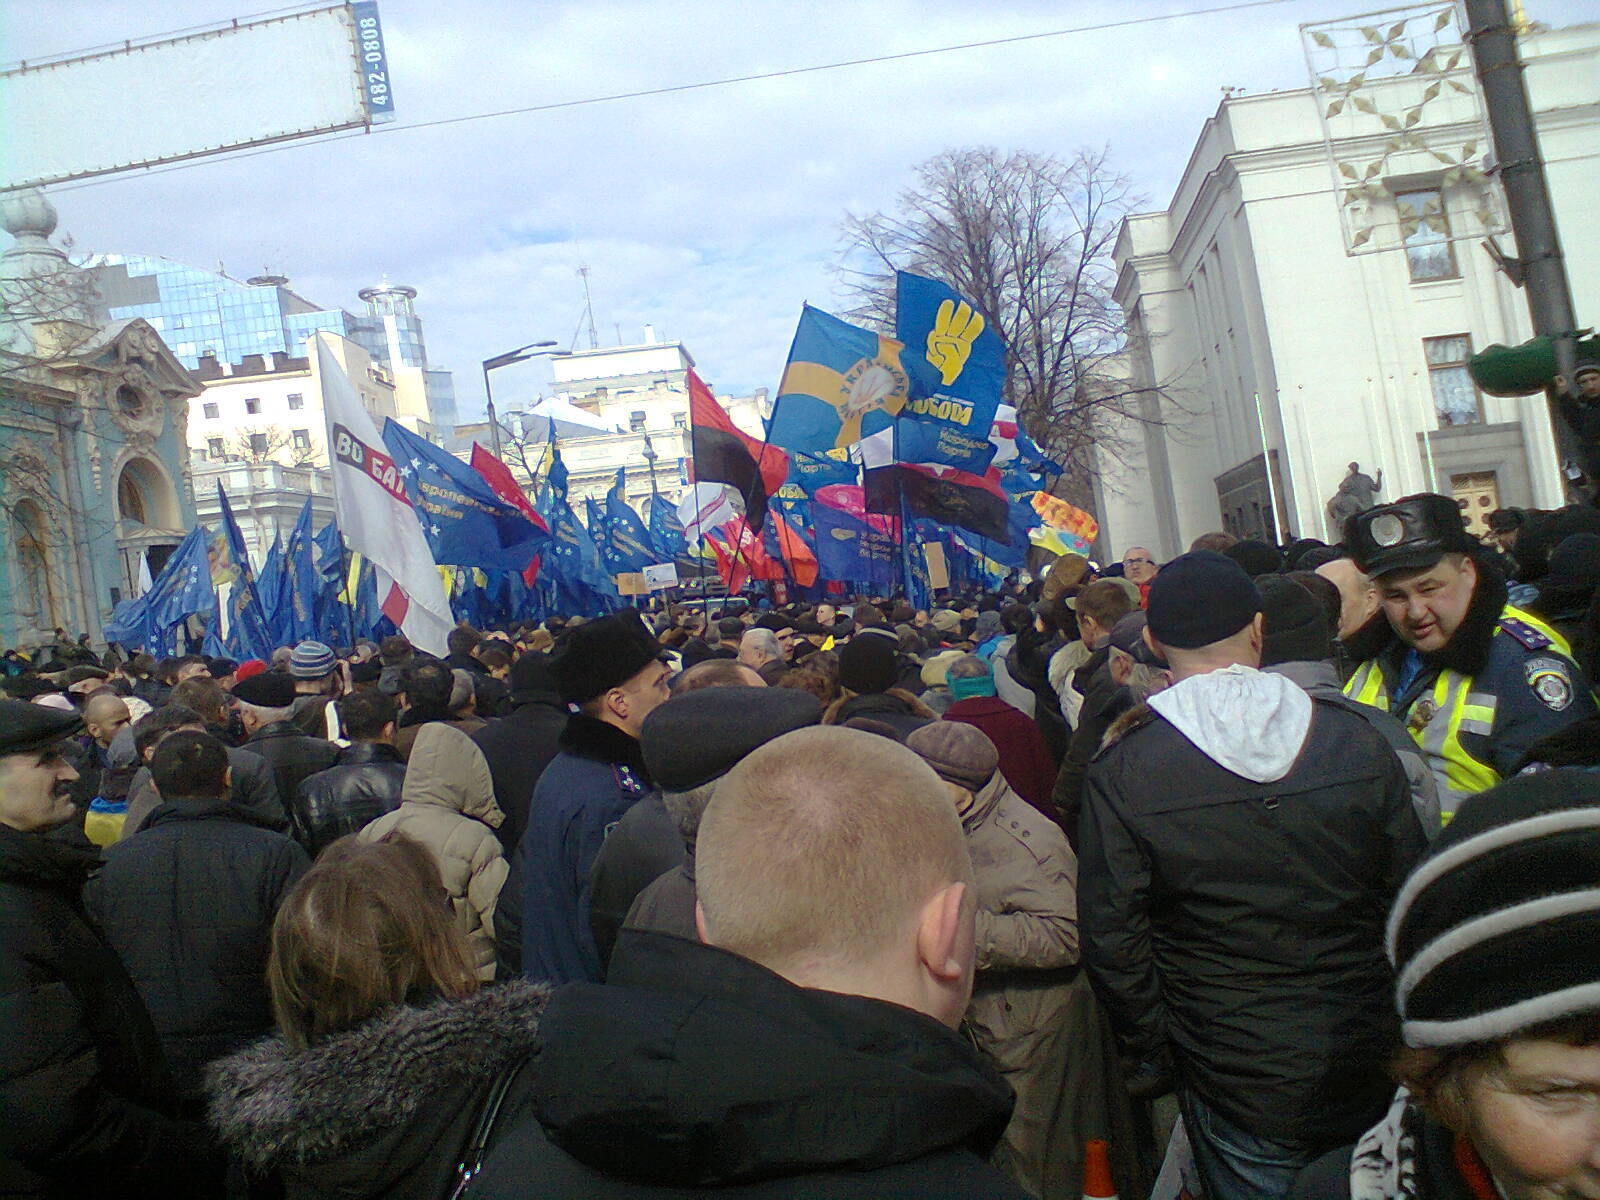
(1298, 326)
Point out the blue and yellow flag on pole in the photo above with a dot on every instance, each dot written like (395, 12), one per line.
(842, 384)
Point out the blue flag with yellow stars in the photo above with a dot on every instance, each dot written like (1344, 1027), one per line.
(842, 384)
(958, 364)
(465, 523)
(626, 544)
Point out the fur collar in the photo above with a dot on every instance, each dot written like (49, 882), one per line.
(1467, 651)
(590, 738)
(273, 1106)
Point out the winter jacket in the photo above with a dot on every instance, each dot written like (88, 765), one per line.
(1321, 679)
(384, 1109)
(1104, 700)
(447, 804)
(1406, 1156)
(363, 785)
(1028, 665)
(598, 776)
(253, 786)
(188, 905)
(901, 711)
(406, 736)
(519, 747)
(1024, 761)
(696, 1072)
(292, 755)
(1070, 670)
(1007, 688)
(86, 1099)
(644, 846)
(667, 905)
(1238, 853)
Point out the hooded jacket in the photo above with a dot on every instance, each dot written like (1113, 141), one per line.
(86, 1098)
(1238, 853)
(695, 1072)
(383, 1109)
(188, 905)
(598, 776)
(447, 804)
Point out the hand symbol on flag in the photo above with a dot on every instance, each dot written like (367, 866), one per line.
(955, 328)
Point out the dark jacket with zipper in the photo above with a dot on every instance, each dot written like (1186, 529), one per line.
(1234, 929)
(695, 1072)
(87, 1103)
(384, 1109)
(518, 747)
(363, 785)
(188, 905)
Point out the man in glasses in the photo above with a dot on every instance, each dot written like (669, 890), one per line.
(1139, 567)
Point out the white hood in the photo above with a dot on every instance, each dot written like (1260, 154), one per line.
(1245, 721)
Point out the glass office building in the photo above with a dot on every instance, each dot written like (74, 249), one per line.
(200, 312)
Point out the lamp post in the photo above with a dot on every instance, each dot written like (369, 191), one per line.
(532, 350)
(650, 456)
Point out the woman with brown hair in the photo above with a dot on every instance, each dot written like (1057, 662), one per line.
(391, 1065)
(1495, 940)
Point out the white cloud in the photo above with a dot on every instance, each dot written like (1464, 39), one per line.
(711, 214)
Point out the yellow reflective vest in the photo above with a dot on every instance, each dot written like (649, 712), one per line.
(1472, 730)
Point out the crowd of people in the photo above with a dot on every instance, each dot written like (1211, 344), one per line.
(1290, 846)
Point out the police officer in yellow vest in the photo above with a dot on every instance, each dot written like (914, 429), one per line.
(1476, 680)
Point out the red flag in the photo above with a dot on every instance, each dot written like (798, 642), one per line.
(802, 562)
(504, 484)
(724, 453)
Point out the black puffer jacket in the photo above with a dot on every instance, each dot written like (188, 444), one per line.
(86, 1100)
(293, 756)
(696, 1072)
(1235, 928)
(383, 1109)
(188, 905)
(363, 786)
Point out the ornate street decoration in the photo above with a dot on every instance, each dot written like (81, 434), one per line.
(1402, 116)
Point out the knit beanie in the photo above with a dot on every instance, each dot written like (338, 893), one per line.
(1295, 625)
(868, 665)
(1498, 929)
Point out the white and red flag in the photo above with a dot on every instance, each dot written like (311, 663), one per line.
(376, 518)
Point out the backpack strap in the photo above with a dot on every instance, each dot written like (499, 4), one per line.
(477, 1146)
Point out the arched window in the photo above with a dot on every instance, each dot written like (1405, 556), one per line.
(34, 594)
(130, 499)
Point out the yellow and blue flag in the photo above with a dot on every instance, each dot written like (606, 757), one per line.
(842, 383)
(957, 362)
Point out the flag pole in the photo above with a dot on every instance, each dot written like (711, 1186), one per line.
(350, 608)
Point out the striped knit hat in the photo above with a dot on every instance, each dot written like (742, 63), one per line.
(1498, 929)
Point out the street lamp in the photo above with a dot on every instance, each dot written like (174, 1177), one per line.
(649, 454)
(532, 350)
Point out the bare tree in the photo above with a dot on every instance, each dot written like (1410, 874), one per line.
(1028, 239)
(269, 443)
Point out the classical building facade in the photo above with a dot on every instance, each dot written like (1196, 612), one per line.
(1297, 326)
(93, 463)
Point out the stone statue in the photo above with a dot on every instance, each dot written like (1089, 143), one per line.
(1357, 493)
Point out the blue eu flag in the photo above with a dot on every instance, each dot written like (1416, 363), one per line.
(465, 523)
(626, 546)
(182, 589)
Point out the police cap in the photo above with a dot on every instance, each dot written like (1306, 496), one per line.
(1412, 534)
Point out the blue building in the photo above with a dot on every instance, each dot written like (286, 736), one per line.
(93, 462)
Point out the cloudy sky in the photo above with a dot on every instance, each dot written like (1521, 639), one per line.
(711, 214)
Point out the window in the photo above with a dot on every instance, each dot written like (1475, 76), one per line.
(302, 439)
(258, 444)
(680, 420)
(296, 401)
(636, 420)
(210, 411)
(252, 405)
(214, 448)
(1425, 229)
(1455, 398)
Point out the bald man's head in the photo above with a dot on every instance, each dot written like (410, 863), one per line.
(104, 716)
(827, 850)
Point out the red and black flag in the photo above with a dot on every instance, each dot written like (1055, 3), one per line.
(723, 453)
(945, 494)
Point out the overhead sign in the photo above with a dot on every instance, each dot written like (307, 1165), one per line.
(222, 88)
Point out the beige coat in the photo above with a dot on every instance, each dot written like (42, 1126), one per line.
(1032, 1011)
(447, 804)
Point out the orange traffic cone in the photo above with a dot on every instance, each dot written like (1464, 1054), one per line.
(1097, 1183)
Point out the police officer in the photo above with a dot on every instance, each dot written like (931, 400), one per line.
(1476, 680)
